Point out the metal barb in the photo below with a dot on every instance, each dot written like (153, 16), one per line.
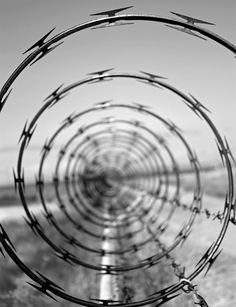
(27, 134)
(141, 107)
(200, 300)
(81, 159)
(103, 104)
(70, 119)
(48, 282)
(46, 147)
(64, 255)
(44, 52)
(19, 180)
(54, 93)
(199, 104)
(212, 260)
(43, 289)
(39, 183)
(229, 152)
(49, 217)
(40, 42)
(152, 76)
(173, 127)
(111, 13)
(33, 223)
(192, 20)
(222, 152)
(206, 255)
(186, 30)
(100, 73)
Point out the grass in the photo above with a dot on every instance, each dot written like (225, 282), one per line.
(218, 287)
(213, 183)
(37, 255)
(9, 197)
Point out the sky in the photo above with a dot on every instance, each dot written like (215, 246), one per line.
(203, 68)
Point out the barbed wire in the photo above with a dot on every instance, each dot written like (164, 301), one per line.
(111, 174)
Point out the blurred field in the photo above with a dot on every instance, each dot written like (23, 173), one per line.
(218, 287)
(37, 255)
(9, 197)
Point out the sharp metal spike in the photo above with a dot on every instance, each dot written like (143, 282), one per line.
(100, 73)
(193, 159)
(199, 104)
(111, 13)
(192, 20)
(227, 205)
(40, 42)
(27, 134)
(141, 107)
(33, 224)
(173, 127)
(211, 261)
(233, 209)
(39, 183)
(41, 289)
(54, 93)
(81, 130)
(62, 151)
(71, 240)
(152, 76)
(221, 152)
(64, 255)
(46, 147)
(229, 152)
(206, 255)
(185, 236)
(45, 52)
(57, 99)
(49, 282)
(103, 104)
(19, 180)
(194, 108)
(49, 217)
(70, 119)
(136, 123)
(23, 132)
(200, 300)
(187, 31)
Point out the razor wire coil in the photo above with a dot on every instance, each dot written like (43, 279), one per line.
(104, 175)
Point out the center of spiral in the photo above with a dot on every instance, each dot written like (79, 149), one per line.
(102, 183)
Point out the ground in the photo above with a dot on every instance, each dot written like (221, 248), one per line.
(218, 287)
